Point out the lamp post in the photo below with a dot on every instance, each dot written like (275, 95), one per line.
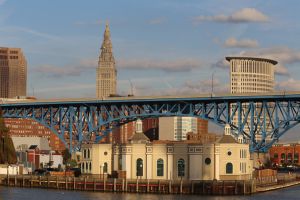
(212, 81)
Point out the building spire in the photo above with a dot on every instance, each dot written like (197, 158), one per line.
(106, 71)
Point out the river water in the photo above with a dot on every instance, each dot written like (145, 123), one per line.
(10, 193)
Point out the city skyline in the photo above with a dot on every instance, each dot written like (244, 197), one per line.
(168, 47)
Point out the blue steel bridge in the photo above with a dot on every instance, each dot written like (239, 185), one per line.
(77, 121)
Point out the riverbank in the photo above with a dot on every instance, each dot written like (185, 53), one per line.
(133, 186)
(144, 186)
(277, 186)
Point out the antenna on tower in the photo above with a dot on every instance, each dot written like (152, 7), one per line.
(131, 89)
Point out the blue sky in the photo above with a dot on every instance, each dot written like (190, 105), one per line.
(161, 46)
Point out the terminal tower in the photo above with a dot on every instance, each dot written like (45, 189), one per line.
(106, 70)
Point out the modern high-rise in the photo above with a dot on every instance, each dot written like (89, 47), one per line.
(251, 75)
(106, 70)
(13, 72)
(177, 128)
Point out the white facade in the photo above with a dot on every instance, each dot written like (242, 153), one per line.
(55, 160)
(224, 160)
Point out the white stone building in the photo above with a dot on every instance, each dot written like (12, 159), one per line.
(225, 159)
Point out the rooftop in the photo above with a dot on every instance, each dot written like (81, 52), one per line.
(274, 62)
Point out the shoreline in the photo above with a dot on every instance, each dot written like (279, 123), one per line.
(211, 188)
(277, 187)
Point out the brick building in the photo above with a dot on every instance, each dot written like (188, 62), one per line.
(285, 154)
(31, 128)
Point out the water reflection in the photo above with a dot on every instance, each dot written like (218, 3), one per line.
(45, 194)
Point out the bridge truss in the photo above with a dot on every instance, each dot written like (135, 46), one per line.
(261, 120)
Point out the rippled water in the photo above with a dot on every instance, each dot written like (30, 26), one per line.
(50, 194)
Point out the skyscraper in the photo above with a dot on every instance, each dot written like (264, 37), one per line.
(251, 75)
(106, 71)
(13, 72)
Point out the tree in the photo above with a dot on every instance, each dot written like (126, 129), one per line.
(66, 156)
(7, 149)
(67, 159)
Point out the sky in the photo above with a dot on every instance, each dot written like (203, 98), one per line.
(161, 46)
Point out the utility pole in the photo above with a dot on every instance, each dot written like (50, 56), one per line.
(212, 82)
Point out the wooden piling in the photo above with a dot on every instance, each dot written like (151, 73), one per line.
(170, 186)
(94, 182)
(74, 183)
(181, 186)
(23, 180)
(115, 185)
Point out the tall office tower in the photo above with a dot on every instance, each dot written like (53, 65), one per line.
(13, 72)
(106, 71)
(176, 128)
(251, 75)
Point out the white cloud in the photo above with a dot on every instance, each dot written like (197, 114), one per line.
(159, 20)
(15, 29)
(86, 23)
(290, 84)
(2, 2)
(176, 65)
(67, 70)
(244, 15)
(243, 43)
(222, 63)
(187, 88)
(281, 70)
(284, 55)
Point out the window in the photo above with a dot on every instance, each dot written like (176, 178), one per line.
(180, 167)
(105, 167)
(84, 153)
(282, 156)
(296, 157)
(86, 167)
(289, 157)
(229, 168)
(88, 153)
(229, 153)
(160, 167)
(139, 167)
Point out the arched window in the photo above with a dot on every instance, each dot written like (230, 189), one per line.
(296, 157)
(105, 167)
(86, 167)
(160, 167)
(180, 167)
(82, 167)
(282, 158)
(139, 167)
(90, 166)
(229, 168)
(88, 153)
(84, 153)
